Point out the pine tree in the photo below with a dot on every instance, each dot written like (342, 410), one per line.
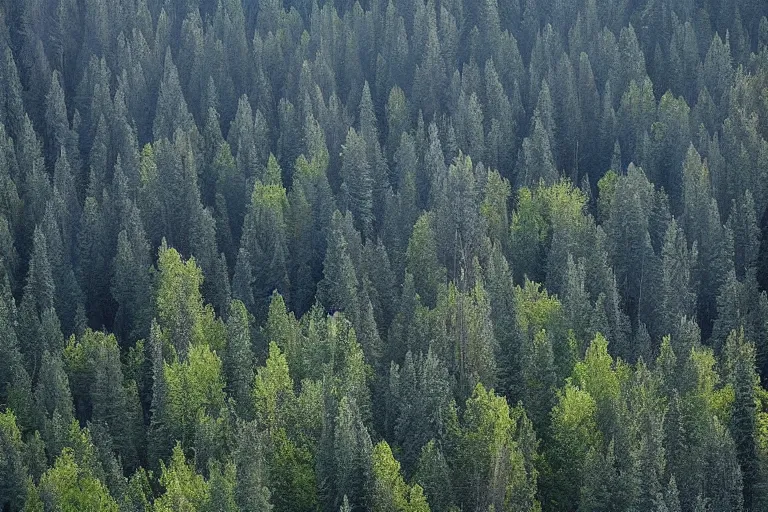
(374, 155)
(242, 280)
(702, 225)
(600, 480)
(195, 389)
(10, 353)
(185, 489)
(53, 401)
(179, 310)
(33, 183)
(388, 491)
(466, 340)
(38, 297)
(338, 289)
(312, 206)
(93, 270)
(251, 491)
(742, 223)
(430, 75)
(159, 433)
(422, 260)
(13, 473)
(535, 160)
(11, 105)
(629, 243)
(433, 475)
(352, 449)
(459, 226)
(59, 136)
(265, 240)
(70, 485)
(222, 488)
(428, 410)
(574, 432)
(491, 470)
(111, 400)
(273, 394)
(740, 361)
(358, 182)
(171, 113)
(238, 360)
(130, 280)
(678, 298)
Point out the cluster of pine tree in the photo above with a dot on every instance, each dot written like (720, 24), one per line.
(389, 255)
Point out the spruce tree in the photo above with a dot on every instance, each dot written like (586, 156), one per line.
(740, 361)
(238, 360)
(352, 449)
(338, 289)
(358, 182)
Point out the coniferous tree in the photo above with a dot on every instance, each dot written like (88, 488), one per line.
(422, 260)
(338, 289)
(171, 113)
(130, 280)
(238, 359)
(37, 298)
(487, 443)
(265, 240)
(602, 297)
(535, 161)
(740, 361)
(678, 298)
(352, 448)
(251, 491)
(358, 182)
(12, 469)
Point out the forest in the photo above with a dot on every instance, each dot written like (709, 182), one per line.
(383, 255)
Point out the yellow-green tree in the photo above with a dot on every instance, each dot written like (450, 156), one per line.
(69, 487)
(195, 389)
(184, 489)
(183, 318)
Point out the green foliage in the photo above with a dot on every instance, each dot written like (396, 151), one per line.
(358, 182)
(283, 329)
(421, 260)
(93, 364)
(464, 336)
(238, 360)
(740, 371)
(574, 432)
(265, 239)
(352, 454)
(195, 388)
(540, 212)
(13, 473)
(273, 391)
(184, 489)
(290, 237)
(251, 491)
(490, 463)
(183, 319)
(389, 492)
(69, 487)
(434, 477)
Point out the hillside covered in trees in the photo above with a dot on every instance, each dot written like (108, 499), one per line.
(389, 255)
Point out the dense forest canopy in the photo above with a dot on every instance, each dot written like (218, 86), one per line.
(389, 255)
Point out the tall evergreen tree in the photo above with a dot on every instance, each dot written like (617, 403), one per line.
(740, 361)
(338, 289)
(353, 449)
(358, 182)
(238, 360)
(265, 241)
